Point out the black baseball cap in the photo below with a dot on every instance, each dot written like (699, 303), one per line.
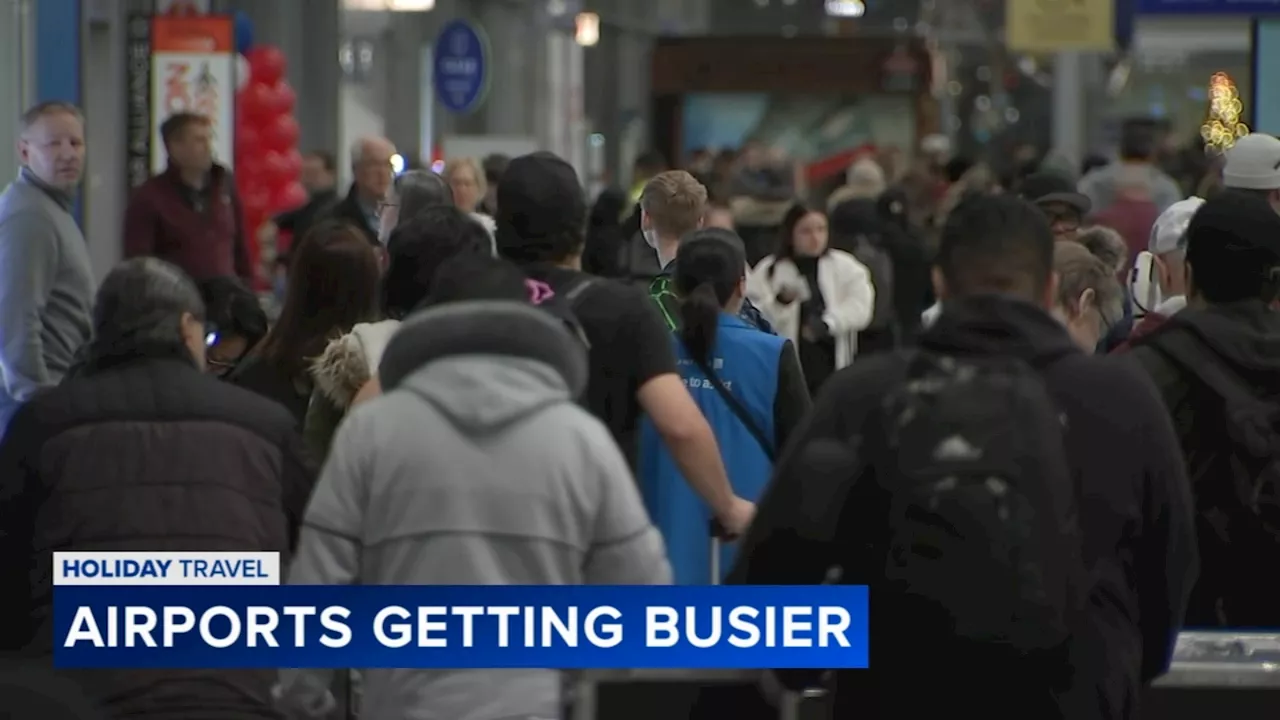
(539, 198)
(712, 255)
(1233, 222)
(1042, 188)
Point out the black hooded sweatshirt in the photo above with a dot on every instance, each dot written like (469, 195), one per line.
(1134, 510)
(1239, 342)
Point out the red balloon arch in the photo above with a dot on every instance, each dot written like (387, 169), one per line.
(268, 164)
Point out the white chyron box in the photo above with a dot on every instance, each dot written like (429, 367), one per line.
(166, 568)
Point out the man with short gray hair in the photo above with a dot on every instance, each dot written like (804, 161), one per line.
(46, 277)
(1159, 286)
(371, 173)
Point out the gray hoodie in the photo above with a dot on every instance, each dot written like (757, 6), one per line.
(475, 468)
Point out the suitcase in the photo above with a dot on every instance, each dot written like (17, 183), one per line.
(648, 694)
(791, 705)
(1225, 674)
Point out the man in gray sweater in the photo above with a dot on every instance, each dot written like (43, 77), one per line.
(46, 279)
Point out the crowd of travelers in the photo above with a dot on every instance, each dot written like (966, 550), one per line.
(1043, 434)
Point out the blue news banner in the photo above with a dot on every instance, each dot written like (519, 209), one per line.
(569, 627)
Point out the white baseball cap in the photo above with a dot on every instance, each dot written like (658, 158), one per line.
(1169, 232)
(1253, 163)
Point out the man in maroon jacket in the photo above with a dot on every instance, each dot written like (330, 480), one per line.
(189, 214)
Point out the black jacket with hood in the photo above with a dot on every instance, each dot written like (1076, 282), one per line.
(1134, 509)
(1242, 339)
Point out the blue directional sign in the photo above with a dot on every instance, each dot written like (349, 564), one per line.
(462, 70)
(1209, 7)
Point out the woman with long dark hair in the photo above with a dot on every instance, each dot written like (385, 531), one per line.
(333, 285)
(346, 368)
(818, 297)
(142, 451)
(748, 384)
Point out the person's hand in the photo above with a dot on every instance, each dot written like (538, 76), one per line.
(786, 296)
(736, 518)
(268, 233)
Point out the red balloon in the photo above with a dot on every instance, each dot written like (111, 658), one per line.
(280, 133)
(258, 102)
(283, 168)
(266, 64)
(290, 196)
(285, 98)
(256, 201)
(251, 172)
(248, 141)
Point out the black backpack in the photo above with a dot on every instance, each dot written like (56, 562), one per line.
(870, 251)
(1234, 465)
(980, 541)
(565, 306)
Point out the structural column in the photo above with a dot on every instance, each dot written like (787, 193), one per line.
(16, 75)
(1069, 107)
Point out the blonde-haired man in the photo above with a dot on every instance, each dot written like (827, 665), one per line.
(672, 205)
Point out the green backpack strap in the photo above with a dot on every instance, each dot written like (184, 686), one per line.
(662, 294)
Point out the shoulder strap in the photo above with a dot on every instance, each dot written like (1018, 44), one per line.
(576, 292)
(1191, 354)
(1251, 420)
(736, 406)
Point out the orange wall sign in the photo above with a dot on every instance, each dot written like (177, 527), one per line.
(193, 70)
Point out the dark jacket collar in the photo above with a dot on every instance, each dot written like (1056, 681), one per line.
(103, 359)
(324, 197)
(1245, 334)
(484, 328)
(641, 259)
(217, 176)
(64, 199)
(998, 325)
(353, 198)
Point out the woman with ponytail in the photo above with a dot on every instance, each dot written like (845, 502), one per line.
(748, 384)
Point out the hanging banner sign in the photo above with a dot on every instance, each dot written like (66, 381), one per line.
(182, 7)
(1209, 7)
(193, 65)
(1050, 26)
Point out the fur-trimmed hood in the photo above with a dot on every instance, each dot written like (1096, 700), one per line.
(351, 361)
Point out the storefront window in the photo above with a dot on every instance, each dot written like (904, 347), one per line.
(1173, 61)
(1174, 89)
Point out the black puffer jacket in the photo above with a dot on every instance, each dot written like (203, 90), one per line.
(144, 454)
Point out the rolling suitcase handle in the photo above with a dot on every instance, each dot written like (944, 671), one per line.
(717, 532)
(790, 704)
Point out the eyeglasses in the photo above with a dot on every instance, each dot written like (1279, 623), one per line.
(223, 365)
(1064, 220)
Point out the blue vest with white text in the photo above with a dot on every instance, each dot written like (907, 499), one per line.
(747, 361)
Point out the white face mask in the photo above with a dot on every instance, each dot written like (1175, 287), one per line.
(650, 238)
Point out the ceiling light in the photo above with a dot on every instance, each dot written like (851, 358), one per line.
(587, 29)
(846, 8)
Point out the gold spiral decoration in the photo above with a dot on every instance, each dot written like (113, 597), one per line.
(1223, 126)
